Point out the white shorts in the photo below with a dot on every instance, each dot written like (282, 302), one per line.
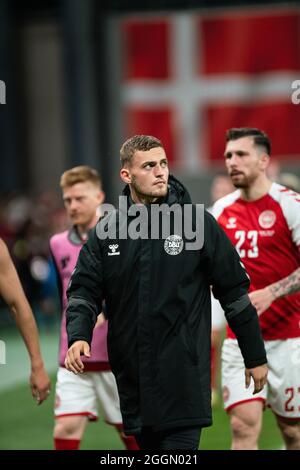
(218, 320)
(79, 394)
(282, 392)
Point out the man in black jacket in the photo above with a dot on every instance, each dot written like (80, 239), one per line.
(156, 287)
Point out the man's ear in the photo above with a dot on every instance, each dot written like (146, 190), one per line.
(101, 196)
(125, 175)
(264, 161)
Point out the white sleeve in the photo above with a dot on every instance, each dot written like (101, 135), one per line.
(218, 320)
(216, 210)
(290, 204)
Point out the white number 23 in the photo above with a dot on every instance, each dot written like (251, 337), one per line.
(242, 236)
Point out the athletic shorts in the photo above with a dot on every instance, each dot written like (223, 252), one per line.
(218, 320)
(79, 395)
(282, 392)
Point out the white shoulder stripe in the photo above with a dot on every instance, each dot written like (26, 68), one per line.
(289, 202)
(224, 202)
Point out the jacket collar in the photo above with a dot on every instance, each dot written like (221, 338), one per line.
(177, 193)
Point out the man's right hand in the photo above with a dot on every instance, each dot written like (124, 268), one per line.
(73, 360)
(39, 382)
(259, 375)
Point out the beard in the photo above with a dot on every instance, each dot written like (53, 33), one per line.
(154, 193)
(242, 181)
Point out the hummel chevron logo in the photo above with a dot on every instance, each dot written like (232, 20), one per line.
(113, 249)
(231, 222)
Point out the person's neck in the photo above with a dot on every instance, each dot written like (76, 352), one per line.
(84, 229)
(142, 199)
(258, 189)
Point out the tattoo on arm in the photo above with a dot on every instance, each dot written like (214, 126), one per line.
(286, 286)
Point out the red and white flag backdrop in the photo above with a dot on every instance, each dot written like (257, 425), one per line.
(187, 77)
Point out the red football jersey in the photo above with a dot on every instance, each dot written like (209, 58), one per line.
(266, 234)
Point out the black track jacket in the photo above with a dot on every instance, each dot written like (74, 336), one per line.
(157, 297)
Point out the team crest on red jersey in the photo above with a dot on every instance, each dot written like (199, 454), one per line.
(267, 219)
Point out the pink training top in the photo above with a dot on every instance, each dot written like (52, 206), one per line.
(65, 248)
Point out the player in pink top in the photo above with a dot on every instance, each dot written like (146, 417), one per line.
(77, 395)
(262, 219)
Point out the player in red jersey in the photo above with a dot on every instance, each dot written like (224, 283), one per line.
(262, 219)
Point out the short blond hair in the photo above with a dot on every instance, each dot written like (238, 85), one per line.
(80, 174)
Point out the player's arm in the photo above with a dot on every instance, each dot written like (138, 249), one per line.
(263, 298)
(13, 294)
(84, 303)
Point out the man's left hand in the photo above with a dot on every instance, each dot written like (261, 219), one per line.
(259, 375)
